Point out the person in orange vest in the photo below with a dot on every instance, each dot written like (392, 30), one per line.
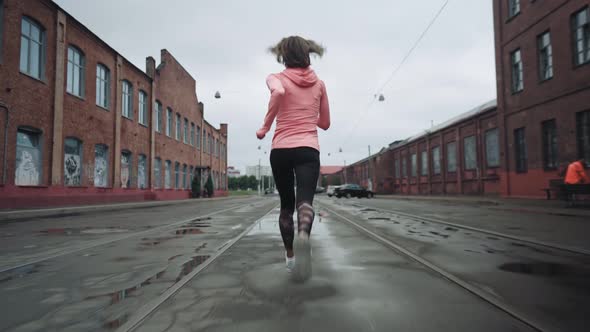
(576, 174)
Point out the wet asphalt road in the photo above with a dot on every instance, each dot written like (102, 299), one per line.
(358, 284)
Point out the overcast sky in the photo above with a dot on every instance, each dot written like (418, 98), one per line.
(223, 44)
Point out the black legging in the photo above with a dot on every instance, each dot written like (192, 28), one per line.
(301, 165)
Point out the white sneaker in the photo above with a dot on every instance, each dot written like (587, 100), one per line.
(290, 263)
(302, 249)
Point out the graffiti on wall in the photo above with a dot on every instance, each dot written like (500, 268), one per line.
(101, 166)
(141, 175)
(125, 170)
(26, 170)
(73, 170)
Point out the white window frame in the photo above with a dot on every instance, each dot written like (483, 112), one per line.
(28, 39)
(103, 85)
(178, 127)
(169, 121)
(517, 71)
(75, 72)
(158, 117)
(581, 36)
(127, 100)
(545, 56)
(513, 8)
(143, 108)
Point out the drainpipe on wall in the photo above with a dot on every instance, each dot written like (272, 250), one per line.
(5, 161)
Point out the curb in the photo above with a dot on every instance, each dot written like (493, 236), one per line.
(442, 200)
(45, 212)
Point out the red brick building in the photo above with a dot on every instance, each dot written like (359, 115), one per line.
(460, 156)
(540, 123)
(81, 124)
(543, 79)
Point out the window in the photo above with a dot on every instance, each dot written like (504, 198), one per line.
(141, 172)
(513, 7)
(184, 183)
(396, 166)
(545, 56)
(178, 127)
(404, 166)
(126, 169)
(158, 117)
(168, 175)
(75, 79)
(581, 31)
(520, 150)
(549, 135)
(32, 48)
(451, 157)
(177, 175)
(103, 84)
(517, 79)
(191, 173)
(72, 162)
(414, 165)
(204, 140)
(470, 153)
(186, 131)
(492, 148)
(157, 173)
(192, 134)
(198, 137)
(28, 157)
(424, 163)
(127, 94)
(101, 165)
(436, 160)
(583, 133)
(169, 122)
(143, 108)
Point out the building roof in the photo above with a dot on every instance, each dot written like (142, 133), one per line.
(483, 108)
(329, 170)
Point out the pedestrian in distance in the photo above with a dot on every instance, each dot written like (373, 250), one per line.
(299, 103)
(576, 173)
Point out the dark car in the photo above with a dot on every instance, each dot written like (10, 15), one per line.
(353, 190)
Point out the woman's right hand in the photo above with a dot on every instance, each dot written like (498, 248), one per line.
(260, 133)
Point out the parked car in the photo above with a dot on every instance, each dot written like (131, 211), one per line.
(353, 190)
(330, 190)
(319, 190)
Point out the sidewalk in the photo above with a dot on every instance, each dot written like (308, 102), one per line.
(551, 207)
(43, 212)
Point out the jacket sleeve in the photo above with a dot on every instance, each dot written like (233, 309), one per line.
(324, 118)
(277, 91)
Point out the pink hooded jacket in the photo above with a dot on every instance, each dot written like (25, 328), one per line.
(299, 103)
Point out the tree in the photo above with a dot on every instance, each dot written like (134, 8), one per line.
(196, 187)
(252, 182)
(233, 183)
(209, 186)
(243, 182)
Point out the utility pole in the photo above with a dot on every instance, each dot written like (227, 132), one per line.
(259, 177)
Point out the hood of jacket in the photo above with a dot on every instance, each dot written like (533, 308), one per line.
(303, 77)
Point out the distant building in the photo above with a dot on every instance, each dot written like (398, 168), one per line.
(256, 170)
(232, 172)
(330, 175)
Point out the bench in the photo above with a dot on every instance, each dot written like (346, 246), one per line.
(555, 186)
(571, 191)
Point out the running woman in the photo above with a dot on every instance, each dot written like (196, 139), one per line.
(299, 103)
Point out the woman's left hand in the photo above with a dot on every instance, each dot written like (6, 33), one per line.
(260, 133)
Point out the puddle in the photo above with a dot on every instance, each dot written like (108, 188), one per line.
(545, 269)
(122, 294)
(185, 231)
(189, 266)
(379, 218)
(451, 229)
(368, 210)
(19, 273)
(117, 322)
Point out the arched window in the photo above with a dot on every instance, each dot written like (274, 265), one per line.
(168, 175)
(157, 173)
(32, 48)
(75, 73)
(184, 184)
(177, 175)
(141, 171)
(126, 169)
(72, 162)
(28, 157)
(101, 165)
